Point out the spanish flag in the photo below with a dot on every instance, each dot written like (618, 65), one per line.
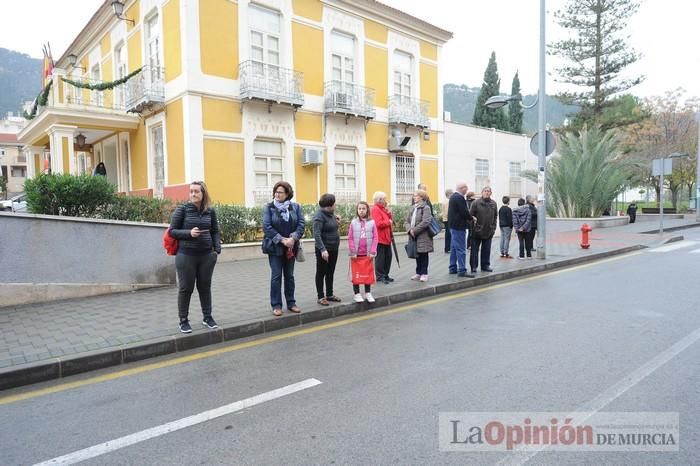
(48, 66)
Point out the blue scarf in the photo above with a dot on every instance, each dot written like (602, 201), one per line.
(283, 207)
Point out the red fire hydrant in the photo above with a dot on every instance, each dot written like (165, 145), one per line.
(585, 229)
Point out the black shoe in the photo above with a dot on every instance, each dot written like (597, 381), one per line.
(473, 270)
(465, 274)
(389, 279)
(487, 269)
(209, 322)
(386, 281)
(185, 326)
(452, 272)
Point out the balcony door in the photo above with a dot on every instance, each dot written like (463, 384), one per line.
(265, 32)
(343, 68)
(153, 53)
(403, 74)
(158, 160)
(120, 70)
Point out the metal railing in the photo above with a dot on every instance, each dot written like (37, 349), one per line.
(21, 158)
(349, 99)
(89, 98)
(145, 89)
(403, 198)
(410, 111)
(262, 196)
(271, 83)
(347, 197)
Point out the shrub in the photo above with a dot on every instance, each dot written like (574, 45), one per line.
(138, 209)
(75, 196)
(3, 186)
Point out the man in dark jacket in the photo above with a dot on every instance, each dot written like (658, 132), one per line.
(505, 223)
(632, 211)
(485, 212)
(458, 218)
(530, 238)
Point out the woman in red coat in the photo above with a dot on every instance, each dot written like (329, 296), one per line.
(383, 220)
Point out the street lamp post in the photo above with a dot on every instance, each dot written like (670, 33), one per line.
(499, 101)
(661, 185)
(697, 180)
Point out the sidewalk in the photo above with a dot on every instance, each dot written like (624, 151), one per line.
(46, 341)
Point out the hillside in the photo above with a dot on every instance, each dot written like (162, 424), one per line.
(20, 80)
(460, 100)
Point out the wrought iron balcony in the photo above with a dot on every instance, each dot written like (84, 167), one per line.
(349, 99)
(77, 96)
(409, 111)
(271, 83)
(145, 90)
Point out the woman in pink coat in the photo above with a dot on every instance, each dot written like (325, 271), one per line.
(362, 241)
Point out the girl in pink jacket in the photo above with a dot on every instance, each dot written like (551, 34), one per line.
(362, 241)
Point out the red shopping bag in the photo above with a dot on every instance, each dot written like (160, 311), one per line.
(362, 270)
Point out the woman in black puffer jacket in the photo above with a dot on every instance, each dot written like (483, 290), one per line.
(196, 227)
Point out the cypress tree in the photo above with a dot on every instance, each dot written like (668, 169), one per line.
(515, 111)
(484, 116)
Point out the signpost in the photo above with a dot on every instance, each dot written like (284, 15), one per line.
(661, 167)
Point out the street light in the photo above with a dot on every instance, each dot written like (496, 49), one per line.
(670, 157)
(499, 101)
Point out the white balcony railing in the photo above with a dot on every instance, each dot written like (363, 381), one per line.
(409, 111)
(349, 99)
(347, 197)
(271, 83)
(87, 98)
(145, 90)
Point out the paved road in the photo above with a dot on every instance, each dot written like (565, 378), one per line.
(550, 343)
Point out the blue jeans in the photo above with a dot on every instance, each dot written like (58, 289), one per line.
(458, 253)
(280, 266)
(506, 232)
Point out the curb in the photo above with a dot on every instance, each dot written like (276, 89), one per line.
(56, 368)
(681, 227)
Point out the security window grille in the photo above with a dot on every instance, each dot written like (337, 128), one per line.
(481, 170)
(268, 165)
(403, 66)
(342, 60)
(405, 178)
(345, 170)
(515, 188)
(264, 39)
(158, 159)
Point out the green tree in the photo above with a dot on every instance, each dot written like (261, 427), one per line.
(515, 111)
(3, 187)
(484, 116)
(587, 176)
(596, 56)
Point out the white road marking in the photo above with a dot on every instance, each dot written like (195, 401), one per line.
(112, 445)
(696, 251)
(674, 246)
(614, 392)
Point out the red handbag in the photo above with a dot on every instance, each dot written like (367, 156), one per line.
(362, 270)
(170, 244)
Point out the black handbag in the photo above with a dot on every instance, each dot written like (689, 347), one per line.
(268, 246)
(411, 248)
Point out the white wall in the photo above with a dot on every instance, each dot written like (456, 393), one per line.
(465, 143)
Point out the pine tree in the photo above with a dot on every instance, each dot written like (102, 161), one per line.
(596, 56)
(515, 111)
(484, 116)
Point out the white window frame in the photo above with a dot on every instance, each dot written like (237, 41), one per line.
(95, 77)
(405, 176)
(262, 193)
(515, 178)
(121, 69)
(22, 169)
(157, 120)
(347, 62)
(402, 77)
(268, 36)
(153, 34)
(481, 174)
(343, 193)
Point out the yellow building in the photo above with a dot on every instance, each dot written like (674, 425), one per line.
(331, 95)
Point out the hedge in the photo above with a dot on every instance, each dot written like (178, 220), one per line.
(94, 197)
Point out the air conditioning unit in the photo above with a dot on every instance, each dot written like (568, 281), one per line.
(398, 141)
(312, 157)
(342, 100)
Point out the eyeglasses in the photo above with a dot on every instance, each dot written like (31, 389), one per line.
(281, 192)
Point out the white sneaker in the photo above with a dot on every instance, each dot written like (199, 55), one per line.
(358, 298)
(369, 297)
(424, 278)
(416, 277)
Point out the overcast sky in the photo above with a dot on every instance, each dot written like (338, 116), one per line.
(663, 31)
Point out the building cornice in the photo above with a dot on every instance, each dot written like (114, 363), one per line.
(387, 14)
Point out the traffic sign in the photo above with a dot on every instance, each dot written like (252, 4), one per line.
(550, 143)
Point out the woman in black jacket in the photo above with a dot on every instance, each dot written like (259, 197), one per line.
(195, 226)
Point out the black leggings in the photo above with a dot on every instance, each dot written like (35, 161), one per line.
(325, 271)
(191, 270)
(356, 288)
